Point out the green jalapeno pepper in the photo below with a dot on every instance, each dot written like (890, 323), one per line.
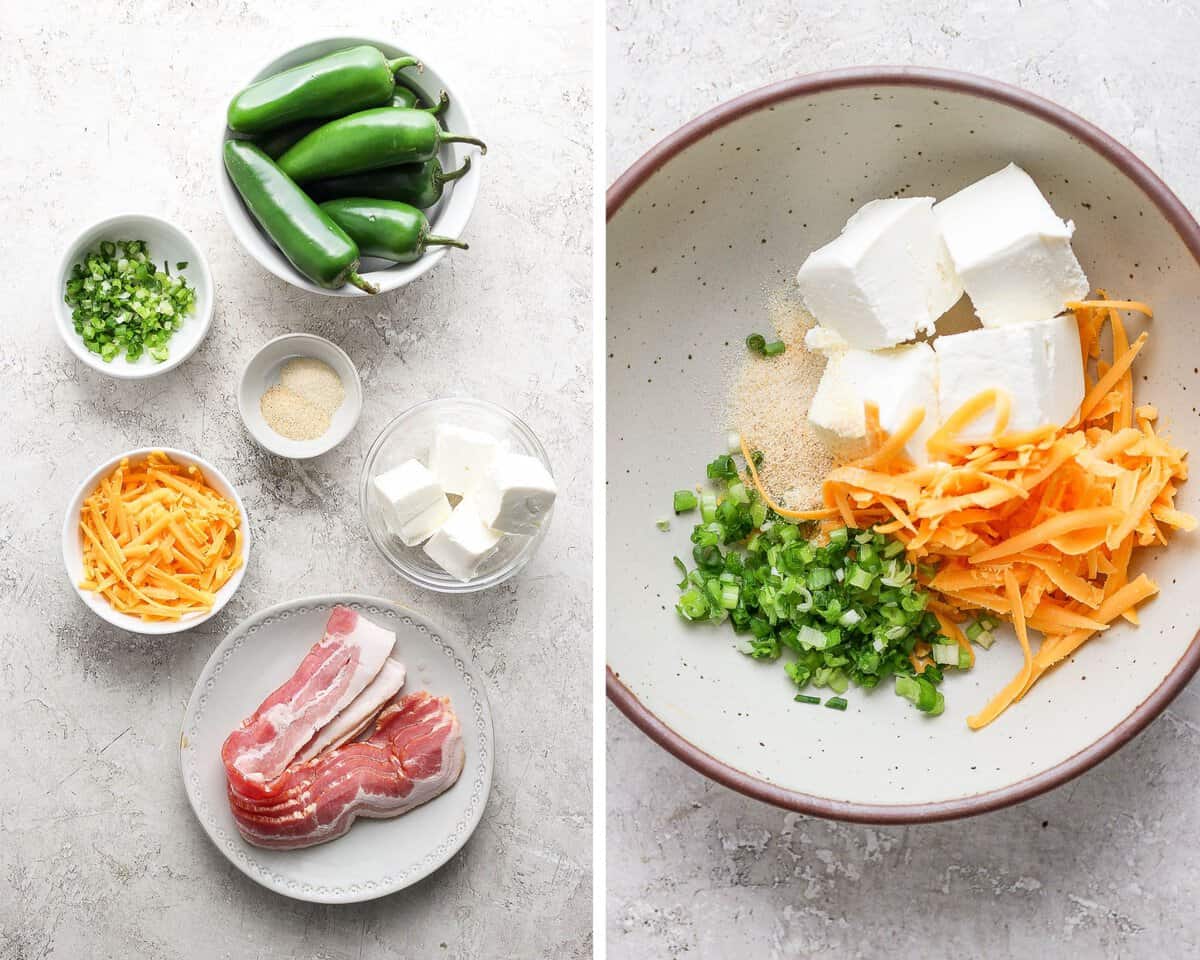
(418, 184)
(276, 143)
(411, 99)
(304, 233)
(369, 140)
(330, 86)
(386, 228)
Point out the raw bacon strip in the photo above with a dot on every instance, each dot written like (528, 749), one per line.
(358, 716)
(414, 753)
(335, 671)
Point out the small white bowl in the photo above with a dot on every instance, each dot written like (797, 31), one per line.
(164, 241)
(410, 436)
(72, 544)
(262, 373)
(448, 218)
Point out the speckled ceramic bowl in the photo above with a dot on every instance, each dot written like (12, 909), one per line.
(701, 231)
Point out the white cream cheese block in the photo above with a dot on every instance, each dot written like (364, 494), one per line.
(886, 278)
(410, 498)
(461, 457)
(425, 524)
(516, 494)
(1011, 250)
(897, 381)
(1039, 364)
(463, 543)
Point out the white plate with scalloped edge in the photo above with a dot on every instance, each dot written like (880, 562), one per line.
(376, 857)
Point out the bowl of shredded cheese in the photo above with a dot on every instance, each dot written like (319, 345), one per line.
(155, 540)
(300, 396)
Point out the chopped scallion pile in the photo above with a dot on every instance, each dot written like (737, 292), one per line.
(122, 301)
(841, 609)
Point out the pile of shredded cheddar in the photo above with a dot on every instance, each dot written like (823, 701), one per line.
(1039, 528)
(158, 541)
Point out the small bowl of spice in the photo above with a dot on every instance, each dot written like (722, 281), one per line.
(300, 396)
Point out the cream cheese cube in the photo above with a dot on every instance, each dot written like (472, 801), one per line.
(406, 493)
(516, 495)
(885, 279)
(1011, 250)
(463, 543)
(1039, 364)
(897, 381)
(425, 524)
(461, 457)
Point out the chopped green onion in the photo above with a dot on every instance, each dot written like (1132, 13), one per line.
(811, 638)
(945, 653)
(986, 639)
(964, 658)
(683, 570)
(663, 524)
(908, 688)
(835, 612)
(860, 578)
(927, 694)
(722, 468)
(733, 442)
(121, 302)
(685, 500)
(806, 698)
(756, 343)
(729, 595)
(819, 578)
(693, 605)
(836, 703)
(973, 630)
(774, 349)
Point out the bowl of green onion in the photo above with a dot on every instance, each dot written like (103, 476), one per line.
(133, 296)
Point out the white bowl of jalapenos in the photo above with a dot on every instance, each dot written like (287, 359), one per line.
(353, 175)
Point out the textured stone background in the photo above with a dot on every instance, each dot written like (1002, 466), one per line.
(110, 106)
(1105, 867)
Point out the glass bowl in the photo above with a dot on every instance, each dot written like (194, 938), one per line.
(409, 436)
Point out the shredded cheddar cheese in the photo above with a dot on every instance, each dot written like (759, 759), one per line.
(158, 541)
(1041, 527)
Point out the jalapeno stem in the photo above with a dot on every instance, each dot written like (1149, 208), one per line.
(395, 66)
(455, 174)
(436, 241)
(459, 138)
(442, 104)
(362, 283)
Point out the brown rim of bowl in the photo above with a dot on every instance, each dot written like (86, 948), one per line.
(1189, 232)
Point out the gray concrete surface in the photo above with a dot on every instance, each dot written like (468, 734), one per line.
(112, 106)
(1105, 867)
